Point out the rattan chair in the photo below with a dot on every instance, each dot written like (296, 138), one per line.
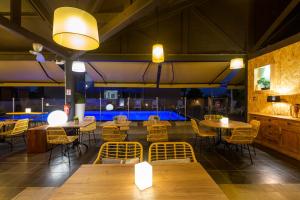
(212, 117)
(171, 151)
(202, 133)
(92, 118)
(153, 118)
(58, 136)
(19, 130)
(157, 133)
(240, 136)
(121, 118)
(120, 150)
(112, 134)
(255, 129)
(89, 130)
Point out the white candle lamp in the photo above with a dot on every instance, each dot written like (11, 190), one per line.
(27, 110)
(225, 120)
(143, 175)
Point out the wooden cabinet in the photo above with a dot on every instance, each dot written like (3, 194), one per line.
(280, 134)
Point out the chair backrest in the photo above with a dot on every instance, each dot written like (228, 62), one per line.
(92, 118)
(21, 126)
(171, 150)
(195, 126)
(241, 136)
(153, 117)
(121, 118)
(255, 127)
(90, 127)
(111, 133)
(157, 129)
(120, 150)
(56, 134)
(212, 117)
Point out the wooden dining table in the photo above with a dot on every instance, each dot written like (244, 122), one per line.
(111, 182)
(232, 124)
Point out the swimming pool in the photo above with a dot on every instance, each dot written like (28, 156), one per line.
(109, 115)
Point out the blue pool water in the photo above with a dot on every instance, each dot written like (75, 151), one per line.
(109, 115)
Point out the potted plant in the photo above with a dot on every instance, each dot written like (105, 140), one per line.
(76, 120)
(263, 83)
(79, 106)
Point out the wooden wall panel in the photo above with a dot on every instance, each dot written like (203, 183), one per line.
(285, 80)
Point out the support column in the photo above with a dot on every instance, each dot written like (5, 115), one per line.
(70, 88)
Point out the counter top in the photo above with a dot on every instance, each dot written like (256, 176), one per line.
(275, 116)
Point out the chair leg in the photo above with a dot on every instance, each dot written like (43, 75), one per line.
(50, 154)
(253, 148)
(249, 153)
(241, 146)
(68, 154)
(94, 137)
(24, 138)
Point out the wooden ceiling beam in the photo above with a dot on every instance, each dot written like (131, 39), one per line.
(6, 24)
(15, 11)
(95, 6)
(217, 29)
(132, 13)
(42, 11)
(289, 8)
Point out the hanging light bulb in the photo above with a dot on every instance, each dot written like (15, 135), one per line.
(75, 29)
(78, 66)
(158, 53)
(236, 63)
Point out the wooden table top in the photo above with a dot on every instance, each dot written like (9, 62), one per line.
(150, 123)
(24, 113)
(231, 124)
(170, 182)
(112, 123)
(70, 124)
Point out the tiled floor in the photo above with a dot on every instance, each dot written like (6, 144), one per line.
(272, 173)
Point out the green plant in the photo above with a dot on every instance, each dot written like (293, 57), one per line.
(263, 83)
(76, 118)
(79, 98)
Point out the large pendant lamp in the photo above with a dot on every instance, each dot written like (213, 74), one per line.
(237, 63)
(75, 29)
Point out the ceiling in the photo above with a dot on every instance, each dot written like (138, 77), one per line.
(122, 74)
(202, 33)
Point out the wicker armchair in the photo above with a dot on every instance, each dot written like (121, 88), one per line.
(19, 130)
(120, 151)
(92, 118)
(58, 136)
(157, 133)
(240, 136)
(153, 117)
(112, 134)
(121, 118)
(171, 151)
(89, 130)
(202, 133)
(255, 129)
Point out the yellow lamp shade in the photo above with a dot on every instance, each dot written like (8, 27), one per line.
(237, 63)
(158, 53)
(143, 175)
(75, 29)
